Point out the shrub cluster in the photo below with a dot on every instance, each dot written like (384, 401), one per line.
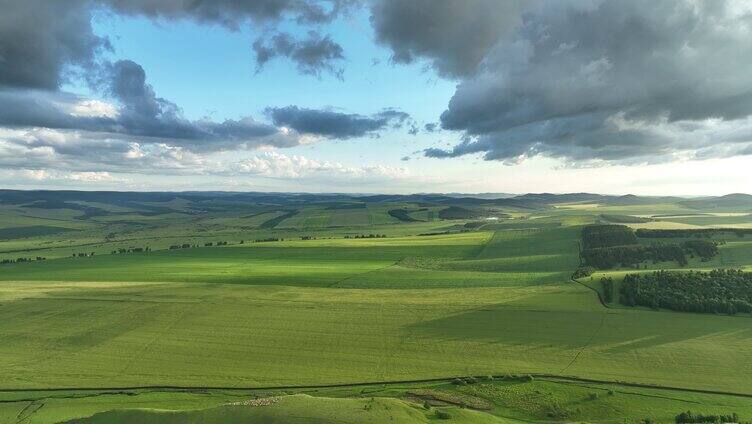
(583, 271)
(443, 415)
(517, 377)
(365, 236)
(717, 291)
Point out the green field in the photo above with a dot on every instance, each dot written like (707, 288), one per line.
(180, 335)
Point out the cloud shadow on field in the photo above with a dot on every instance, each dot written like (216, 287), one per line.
(608, 332)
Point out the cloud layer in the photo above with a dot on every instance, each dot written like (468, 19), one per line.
(44, 44)
(610, 80)
(587, 82)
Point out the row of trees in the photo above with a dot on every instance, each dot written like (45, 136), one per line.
(207, 244)
(215, 243)
(689, 417)
(182, 246)
(717, 291)
(129, 250)
(19, 260)
(362, 236)
(690, 232)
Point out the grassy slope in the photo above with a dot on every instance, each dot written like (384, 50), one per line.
(542, 400)
(98, 334)
(300, 409)
(69, 335)
(315, 262)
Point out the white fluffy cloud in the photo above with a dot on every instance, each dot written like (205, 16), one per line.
(277, 165)
(56, 175)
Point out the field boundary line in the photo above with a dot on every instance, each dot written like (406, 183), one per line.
(587, 344)
(360, 274)
(593, 289)
(543, 376)
(597, 292)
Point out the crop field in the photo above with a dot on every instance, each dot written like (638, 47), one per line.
(335, 310)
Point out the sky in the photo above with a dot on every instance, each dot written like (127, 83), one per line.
(377, 96)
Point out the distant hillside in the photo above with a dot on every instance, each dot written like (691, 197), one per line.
(549, 198)
(625, 200)
(210, 200)
(489, 196)
(457, 212)
(735, 200)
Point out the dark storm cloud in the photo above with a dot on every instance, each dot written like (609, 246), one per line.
(453, 35)
(312, 55)
(334, 124)
(232, 13)
(42, 41)
(609, 80)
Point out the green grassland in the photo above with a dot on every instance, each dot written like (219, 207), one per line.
(499, 401)
(205, 327)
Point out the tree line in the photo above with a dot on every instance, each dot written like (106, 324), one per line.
(689, 417)
(129, 250)
(611, 246)
(690, 232)
(20, 260)
(600, 236)
(718, 291)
